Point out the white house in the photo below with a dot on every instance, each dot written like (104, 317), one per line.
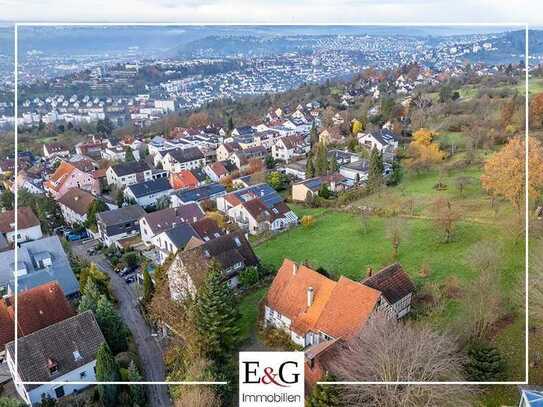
(128, 173)
(289, 147)
(28, 227)
(146, 194)
(67, 353)
(183, 159)
(75, 204)
(383, 140)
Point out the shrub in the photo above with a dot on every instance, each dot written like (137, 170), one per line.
(485, 363)
(249, 277)
(308, 220)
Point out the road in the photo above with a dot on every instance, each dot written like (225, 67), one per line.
(149, 350)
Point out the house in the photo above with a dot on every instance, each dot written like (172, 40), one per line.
(384, 140)
(342, 157)
(241, 158)
(52, 150)
(312, 309)
(255, 217)
(30, 183)
(396, 288)
(225, 150)
(311, 187)
(62, 352)
(147, 193)
(75, 205)
(119, 223)
(28, 225)
(263, 191)
(289, 147)
(151, 224)
(356, 171)
(38, 262)
(37, 308)
(209, 192)
(183, 159)
(232, 252)
(219, 170)
(296, 169)
(331, 135)
(243, 132)
(177, 237)
(71, 175)
(183, 179)
(128, 173)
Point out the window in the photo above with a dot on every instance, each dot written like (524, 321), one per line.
(82, 375)
(59, 392)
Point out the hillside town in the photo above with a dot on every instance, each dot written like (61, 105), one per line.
(157, 237)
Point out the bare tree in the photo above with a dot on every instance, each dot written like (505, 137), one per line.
(445, 217)
(395, 231)
(462, 183)
(389, 350)
(486, 255)
(483, 305)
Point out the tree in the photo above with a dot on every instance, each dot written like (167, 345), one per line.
(104, 127)
(148, 286)
(321, 160)
(215, 317)
(137, 392)
(324, 191)
(390, 350)
(131, 259)
(536, 111)
(375, 171)
(504, 173)
(277, 180)
(396, 175)
(107, 370)
(313, 136)
(270, 162)
(129, 154)
(97, 206)
(111, 325)
(198, 119)
(309, 168)
(11, 402)
(333, 164)
(395, 230)
(7, 200)
(485, 363)
(357, 127)
(90, 296)
(162, 202)
(325, 395)
(445, 217)
(422, 151)
(255, 165)
(462, 182)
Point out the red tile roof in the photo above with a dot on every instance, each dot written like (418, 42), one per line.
(339, 309)
(25, 219)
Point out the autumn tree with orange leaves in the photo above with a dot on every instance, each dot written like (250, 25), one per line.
(536, 111)
(504, 173)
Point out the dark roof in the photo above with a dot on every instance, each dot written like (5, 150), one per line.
(385, 136)
(392, 281)
(181, 234)
(163, 219)
(199, 174)
(150, 187)
(184, 155)
(70, 344)
(265, 192)
(207, 229)
(130, 167)
(245, 130)
(201, 193)
(121, 215)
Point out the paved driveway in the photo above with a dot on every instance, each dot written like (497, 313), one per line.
(149, 349)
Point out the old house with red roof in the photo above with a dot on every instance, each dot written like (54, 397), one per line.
(313, 308)
(28, 227)
(183, 179)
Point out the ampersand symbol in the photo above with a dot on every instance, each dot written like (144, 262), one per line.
(269, 377)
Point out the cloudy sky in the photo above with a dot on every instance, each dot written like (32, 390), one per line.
(275, 11)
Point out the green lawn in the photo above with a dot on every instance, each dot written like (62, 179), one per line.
(248, 308)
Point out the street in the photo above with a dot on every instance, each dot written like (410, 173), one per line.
(149, 350)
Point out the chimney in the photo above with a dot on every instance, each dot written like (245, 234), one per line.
(294, 268)
(370, 271)
(310, 296)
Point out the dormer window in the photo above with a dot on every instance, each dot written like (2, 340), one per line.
(52, 365)
(77, 355)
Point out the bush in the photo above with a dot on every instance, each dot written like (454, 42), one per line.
(308, 220)
(485, 363)
(249, 277)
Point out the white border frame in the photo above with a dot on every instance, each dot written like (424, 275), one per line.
(525, 26)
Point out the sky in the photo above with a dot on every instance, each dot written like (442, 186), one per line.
(275, 11)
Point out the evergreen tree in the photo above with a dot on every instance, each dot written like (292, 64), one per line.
(324, 395)
(112, 325)
(309, 168)
(137, 392)
(95, 207)
(7, 200)
(107, 370)
(90, 296)
(321, 160)
(215, 319)
(396, 175)
(148, 286)
(333, 164)
(324, 192)
(485, 363)
(313, 136)
(230, 125)
(375, 170)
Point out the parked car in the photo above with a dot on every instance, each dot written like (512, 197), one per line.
(72, 236)
(130, 279)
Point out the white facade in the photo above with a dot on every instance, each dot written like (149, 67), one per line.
(125, 180)
(172, 165)
(70, 216)
(147, 200)
(55, 391)
(24, 235)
